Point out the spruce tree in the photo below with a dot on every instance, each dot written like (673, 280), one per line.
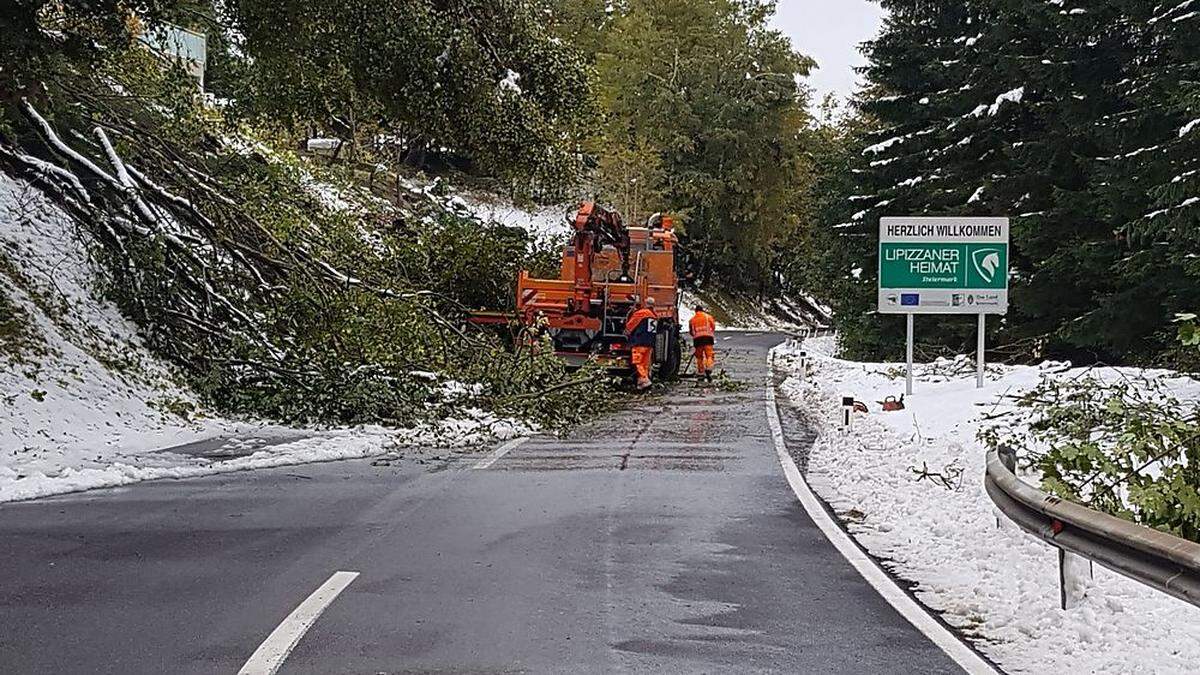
(1057, 117)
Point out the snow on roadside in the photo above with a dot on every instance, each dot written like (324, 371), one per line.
(83, 404)
(543, 222)
(74, 472)
(83, 384)
(998, 586)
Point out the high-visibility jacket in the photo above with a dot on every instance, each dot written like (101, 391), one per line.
(703, 328)
(641, 327)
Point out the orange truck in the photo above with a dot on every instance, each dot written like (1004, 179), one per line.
(607, 269)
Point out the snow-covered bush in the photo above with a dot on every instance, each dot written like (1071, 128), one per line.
(283, 291)
(1126, 447)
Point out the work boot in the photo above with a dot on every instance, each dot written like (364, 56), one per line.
(708, 376)
(643, 385)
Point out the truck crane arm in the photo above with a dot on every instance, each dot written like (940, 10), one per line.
(595, 228)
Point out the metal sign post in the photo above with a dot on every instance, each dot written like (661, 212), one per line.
(943, 266)
(979, 350)
(908, 358)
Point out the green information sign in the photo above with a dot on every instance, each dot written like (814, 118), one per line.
(961, 266)
(943, 265)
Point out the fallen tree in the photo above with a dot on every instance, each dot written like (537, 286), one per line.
(281, 290)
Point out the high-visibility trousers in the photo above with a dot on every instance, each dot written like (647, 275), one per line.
(642, 357)
(705, 358)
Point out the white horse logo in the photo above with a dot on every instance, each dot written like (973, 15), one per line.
(987, 262)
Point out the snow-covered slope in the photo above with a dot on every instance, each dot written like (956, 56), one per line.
(997, 585)
(80, 380)
(83, 404)
(540, 221)
(791, 314)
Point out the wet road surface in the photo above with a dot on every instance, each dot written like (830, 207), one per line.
(663, 538)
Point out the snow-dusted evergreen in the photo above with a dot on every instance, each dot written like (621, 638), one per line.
(1078, 120)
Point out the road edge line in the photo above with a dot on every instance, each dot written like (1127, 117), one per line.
(915, 613)
(270, 655)
(499, 452)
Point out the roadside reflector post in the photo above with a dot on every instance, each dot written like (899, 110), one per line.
(847, 412)
(979, 357)
(803, 365)
(908, 356)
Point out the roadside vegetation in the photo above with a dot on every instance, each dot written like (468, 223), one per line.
(283, 289)
(1082, 126)
(330, 282)
(1118, 440)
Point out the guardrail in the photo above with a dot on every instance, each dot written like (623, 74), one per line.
(1157, 559)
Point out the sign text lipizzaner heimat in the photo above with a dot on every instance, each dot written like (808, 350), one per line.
(943, 265)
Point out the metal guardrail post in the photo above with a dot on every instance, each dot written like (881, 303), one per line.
(1008, 457)
(1160, 560)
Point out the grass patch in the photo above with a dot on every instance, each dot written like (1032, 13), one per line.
(20, 342)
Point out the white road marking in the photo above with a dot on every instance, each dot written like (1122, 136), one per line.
(499, 452)
(883, 584)
(271, 654)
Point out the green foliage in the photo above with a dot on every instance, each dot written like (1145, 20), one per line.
(282, 290)
(1127, 448)
(479, 80)
(1189, 333)
(821, 259)
(1072, 124)
(82, 30)
(19, 339)
(703, 117)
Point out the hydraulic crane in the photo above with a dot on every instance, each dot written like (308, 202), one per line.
(606, 270)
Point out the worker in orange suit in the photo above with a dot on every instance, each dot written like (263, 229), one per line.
(641, 329)
(703, 329)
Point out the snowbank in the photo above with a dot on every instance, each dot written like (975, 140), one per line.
(543, 222)
(83, 383)
(798, 314)
(998, 586)
(83, 404)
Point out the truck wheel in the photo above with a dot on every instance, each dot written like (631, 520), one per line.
(674, 358)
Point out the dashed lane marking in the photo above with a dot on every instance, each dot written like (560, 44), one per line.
(499, 452)
(941, 636)
(271, 654)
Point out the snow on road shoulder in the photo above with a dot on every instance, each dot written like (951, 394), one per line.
(79, 382)
(74, 472)
(83, 403)
(998, 586)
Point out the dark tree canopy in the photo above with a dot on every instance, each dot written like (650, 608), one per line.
(477, 78)
(1071, 122)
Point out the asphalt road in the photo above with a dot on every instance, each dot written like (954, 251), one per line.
(660, 539)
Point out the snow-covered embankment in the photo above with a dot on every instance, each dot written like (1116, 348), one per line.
(998, 586)
(83, 404)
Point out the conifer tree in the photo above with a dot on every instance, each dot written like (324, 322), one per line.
(1058, 117)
